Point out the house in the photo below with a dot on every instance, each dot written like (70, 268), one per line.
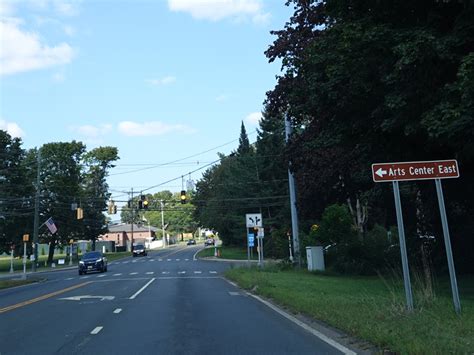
(123, 237)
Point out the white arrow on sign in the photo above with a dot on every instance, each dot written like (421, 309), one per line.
(79, 298)
(380, 172)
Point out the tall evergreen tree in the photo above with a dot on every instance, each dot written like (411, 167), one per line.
(244, 144)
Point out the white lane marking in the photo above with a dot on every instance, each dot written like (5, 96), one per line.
(160, 259)
(151, 260)
(213, 272)
(150, 272)
(316, 333)
(181, 272)
(198, 272)
(101, 275)
(69, 278)
(118, 310)
(125, 262)
(84, 277)
(234, 293)
(117, 275)
(169, 259)
(186, 259)
(134, 261)
(178, 259)
(165, 272)
(96, 330)
(133, 273)
(194, 256)
(142, 289)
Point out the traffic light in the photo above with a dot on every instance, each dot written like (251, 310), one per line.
(80, 213)
(140, 204)
(145, 204)
(110, 207)
(115, 209)
(183, 196)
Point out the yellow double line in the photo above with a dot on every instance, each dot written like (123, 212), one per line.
(37, 299)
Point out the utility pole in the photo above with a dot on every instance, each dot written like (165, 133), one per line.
(36, 218)
(294, 211)
(133, 221)
(163, 224)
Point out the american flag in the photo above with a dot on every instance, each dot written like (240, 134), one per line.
(51, 226)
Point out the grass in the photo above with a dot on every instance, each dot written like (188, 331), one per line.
(14, 283)
(232, 253)
(372, 308)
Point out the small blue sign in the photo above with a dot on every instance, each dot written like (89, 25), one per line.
(250, 240)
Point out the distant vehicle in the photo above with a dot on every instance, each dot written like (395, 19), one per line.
(92, 261)
(209, 241)
(191, 242)
(138, 250)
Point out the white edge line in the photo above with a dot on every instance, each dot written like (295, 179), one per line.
(196, 253)
(141, 290)
(96, 330)
(320, 335)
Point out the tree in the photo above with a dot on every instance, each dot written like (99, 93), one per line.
(244, 144)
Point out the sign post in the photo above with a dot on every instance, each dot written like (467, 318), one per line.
(26, 237)
(253, 220)
(421, 170)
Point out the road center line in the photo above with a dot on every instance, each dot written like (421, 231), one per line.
(118, 310)
(142, 289)
(37, 299)
(96, 330)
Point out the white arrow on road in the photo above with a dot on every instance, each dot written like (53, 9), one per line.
(381, 172)
(79, 298)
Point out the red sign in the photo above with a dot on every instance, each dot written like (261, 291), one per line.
(415, 170)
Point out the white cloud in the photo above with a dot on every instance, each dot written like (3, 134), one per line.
(6, 8)
(253, 118)
(216, 10)
(90, 131)
(69, 30)
(154, 128)
(163, 81)
(12, 128)
(66, 8)
(22, 51)
(222, 98)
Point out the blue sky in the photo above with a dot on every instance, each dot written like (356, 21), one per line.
(160, 80)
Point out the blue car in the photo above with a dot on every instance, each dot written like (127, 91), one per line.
(92, 261)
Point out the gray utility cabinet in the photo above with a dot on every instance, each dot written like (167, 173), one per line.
(315, 257)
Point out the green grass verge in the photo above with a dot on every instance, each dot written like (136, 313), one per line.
(14, 283)
(232, 253)
(372, 308)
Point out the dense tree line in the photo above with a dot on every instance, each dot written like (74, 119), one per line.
(364, 82)
(68, 175)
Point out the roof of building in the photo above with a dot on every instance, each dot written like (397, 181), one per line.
(126, 227)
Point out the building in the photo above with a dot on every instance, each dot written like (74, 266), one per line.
(122, 235)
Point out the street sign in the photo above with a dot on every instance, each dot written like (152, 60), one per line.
(250, 240)
(253, 220)
(261, 233)
(416, 170)
(26, 237)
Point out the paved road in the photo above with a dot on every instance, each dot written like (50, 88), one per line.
(165, 303)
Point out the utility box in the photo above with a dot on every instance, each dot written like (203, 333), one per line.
(315, 257)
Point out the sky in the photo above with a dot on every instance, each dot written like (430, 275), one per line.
(167, 82)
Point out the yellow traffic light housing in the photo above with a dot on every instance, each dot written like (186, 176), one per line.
(183, 196)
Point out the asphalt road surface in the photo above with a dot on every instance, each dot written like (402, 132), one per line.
(164, 303)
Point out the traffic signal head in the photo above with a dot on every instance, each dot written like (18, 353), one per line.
(115, 209)
(183, 196)
(140, 204)
(145, 204)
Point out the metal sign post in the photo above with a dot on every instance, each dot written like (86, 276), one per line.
(421, 170)
(403, 247)
(447, 243)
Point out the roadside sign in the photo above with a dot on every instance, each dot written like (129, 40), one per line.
(261, 233)
(26, 237)
(250, 240)
(416, 170)
(253, 220)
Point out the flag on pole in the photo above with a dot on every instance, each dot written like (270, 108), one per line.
(51, 226)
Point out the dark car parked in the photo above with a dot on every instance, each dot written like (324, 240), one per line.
(139, 249)
(92, 261)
